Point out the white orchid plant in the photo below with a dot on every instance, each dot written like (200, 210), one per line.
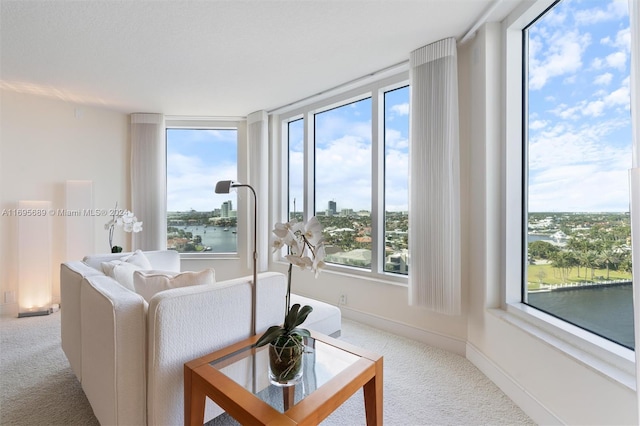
(305, 244)
(127, 220)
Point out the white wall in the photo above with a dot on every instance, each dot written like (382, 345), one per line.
(44, 143)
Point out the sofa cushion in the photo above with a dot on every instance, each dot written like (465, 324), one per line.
(138, 258)
(148, 283)
(166, 260)
(122, 269)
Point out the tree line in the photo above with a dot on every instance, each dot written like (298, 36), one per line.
(602, 246)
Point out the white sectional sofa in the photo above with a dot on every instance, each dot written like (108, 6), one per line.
(129, 355)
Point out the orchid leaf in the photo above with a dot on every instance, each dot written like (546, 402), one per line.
(291, 317)
(270, 335)
(302, 315)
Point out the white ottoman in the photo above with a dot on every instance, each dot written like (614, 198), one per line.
(325, 318)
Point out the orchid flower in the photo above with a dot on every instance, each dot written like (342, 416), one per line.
(126, 219)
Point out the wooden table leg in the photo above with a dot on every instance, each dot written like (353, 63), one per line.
(194, 401)
(373, 397)
(288, 396)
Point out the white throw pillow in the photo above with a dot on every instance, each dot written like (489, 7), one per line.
(122, 270)
(148, 283)
(139, 259)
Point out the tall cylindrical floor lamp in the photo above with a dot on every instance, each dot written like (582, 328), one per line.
(224, 187)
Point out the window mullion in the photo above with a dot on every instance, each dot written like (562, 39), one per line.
(377, 182)
(309, 166)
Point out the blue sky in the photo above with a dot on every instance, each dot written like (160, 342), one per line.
(343, 155)
(579, 117)
(196, 160)
(579, 129)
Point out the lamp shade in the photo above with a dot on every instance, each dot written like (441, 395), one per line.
(224, 186)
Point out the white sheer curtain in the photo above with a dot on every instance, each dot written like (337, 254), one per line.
(148, 180)
(258, 144)
(434, 201)
(634, 177)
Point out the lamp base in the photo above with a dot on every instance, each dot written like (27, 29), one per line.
(35, 313)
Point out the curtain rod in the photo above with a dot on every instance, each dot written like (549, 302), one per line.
(481, 20)
(400, 66)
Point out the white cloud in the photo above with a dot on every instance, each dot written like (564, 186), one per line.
(622, 40)
(341, 162)
(618, 97)
(562, 57)
(597, 63)
(396, 181)
(603, 79)
(573, 189)
(617, 60)
(597, 107)
(578, 169)
(393, 139)
(190, 183)
(594, 108)
(400, 109)
(537, 124)
(614, 10)
(567, 113)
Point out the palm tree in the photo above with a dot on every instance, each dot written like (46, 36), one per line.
(606, 258)
(564, 261)
(590, 261)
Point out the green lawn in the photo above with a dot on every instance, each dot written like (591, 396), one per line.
(546, 274)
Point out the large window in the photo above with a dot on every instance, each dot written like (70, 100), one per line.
(577, 257)
(343, 182)
(198, 219)
(351, 166)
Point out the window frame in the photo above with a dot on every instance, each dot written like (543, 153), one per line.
(374, 88)
(611, 359)
(213, 123)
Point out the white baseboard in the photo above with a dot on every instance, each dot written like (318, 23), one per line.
(523, 399)
(9, 310)
(450, 344)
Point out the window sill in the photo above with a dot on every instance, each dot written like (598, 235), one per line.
(596, 353)
(209, 256)
(363, 274)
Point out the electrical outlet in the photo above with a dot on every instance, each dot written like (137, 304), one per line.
(343, 299)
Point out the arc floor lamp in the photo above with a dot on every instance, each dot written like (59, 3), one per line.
(224, 187)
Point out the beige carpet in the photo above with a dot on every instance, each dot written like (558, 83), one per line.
(422, 385)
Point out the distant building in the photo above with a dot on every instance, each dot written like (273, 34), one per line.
(359, 257)
(226, 209)
(398, 262)
(332, 210)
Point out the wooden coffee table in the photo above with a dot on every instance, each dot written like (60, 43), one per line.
(237, 379)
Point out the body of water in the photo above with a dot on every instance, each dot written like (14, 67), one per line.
(531, 238)
(607, 311)
(216, 237)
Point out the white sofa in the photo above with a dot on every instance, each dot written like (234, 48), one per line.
(129, 355)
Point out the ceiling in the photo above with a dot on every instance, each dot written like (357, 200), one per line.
(217, 57)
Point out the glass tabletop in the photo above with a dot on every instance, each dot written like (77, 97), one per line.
(249, 367)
